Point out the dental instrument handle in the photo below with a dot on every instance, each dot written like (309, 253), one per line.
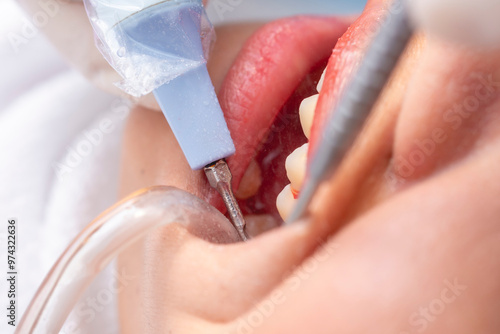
(173, 29)
(192, 110)
(220, 178)
(356, 103)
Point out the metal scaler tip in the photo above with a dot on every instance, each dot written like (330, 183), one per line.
(220, 177)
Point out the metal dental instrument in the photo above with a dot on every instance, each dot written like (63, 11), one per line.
(356, 103)
(161, 46)
(220, 177)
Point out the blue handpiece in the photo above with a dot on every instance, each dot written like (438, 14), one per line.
(172, 29)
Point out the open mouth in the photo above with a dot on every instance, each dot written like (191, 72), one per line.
(268, 89)
(268, 97)
(274, 104)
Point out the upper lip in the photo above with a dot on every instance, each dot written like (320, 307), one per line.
(345, 58)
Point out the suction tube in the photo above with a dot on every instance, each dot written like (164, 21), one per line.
(112, 232)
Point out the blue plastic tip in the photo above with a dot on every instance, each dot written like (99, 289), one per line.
(191, 107)
(189, 103)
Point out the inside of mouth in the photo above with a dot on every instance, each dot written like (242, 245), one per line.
(283, 137)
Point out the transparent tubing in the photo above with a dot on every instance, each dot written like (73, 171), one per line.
(108, 235)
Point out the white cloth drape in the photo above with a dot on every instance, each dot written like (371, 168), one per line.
(50, 117)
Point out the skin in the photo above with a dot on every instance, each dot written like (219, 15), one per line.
(387, 249)
(396, 245)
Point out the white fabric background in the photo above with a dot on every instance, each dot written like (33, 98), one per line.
(45, 109)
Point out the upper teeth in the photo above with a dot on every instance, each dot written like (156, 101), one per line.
(296, 162)
(285, 202)
(321, 82)
(306, 112)
(296, 166)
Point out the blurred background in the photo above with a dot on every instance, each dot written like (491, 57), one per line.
(46, 108)
(271, 9)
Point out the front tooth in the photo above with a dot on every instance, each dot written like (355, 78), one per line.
(319, 87)
(306, 112)
(296, 166)
(285, 202)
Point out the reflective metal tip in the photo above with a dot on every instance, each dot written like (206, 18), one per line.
(220, 177)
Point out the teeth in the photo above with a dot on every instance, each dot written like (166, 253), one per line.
(321, 82)
(296, 162)
(296, 166)
(308, 106)
(306, 112)
(251, 182)
(285, 202)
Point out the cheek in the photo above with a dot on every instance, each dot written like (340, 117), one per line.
(151, 156)
(451, 108)
(362, 181)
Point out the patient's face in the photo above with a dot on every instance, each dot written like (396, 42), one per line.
(402, 240)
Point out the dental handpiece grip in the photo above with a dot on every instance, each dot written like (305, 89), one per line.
(188, 100)
(356, 103)
(162, 47)
(192, 110)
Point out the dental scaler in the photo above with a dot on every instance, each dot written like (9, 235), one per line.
(162, 47)
(356, 103)
(469, 23)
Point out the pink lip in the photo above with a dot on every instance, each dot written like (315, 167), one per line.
(345, 58)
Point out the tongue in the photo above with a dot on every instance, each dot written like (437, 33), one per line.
(264, 76)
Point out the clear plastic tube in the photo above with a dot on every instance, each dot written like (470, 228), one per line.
(108, 235)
